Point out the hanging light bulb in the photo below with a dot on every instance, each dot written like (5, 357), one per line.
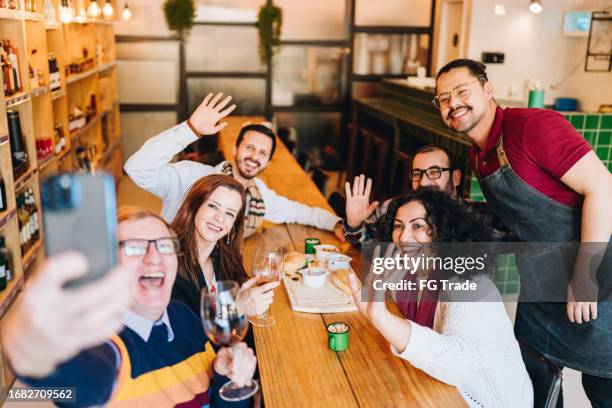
(536, 6)
(108, 10)
(66, 12)
(127, 13)
(94, 10)
(81, 18)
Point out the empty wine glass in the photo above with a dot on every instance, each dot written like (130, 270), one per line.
(225, 326)
(267, 267)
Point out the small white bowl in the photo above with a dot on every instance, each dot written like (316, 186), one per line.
(338, 261)
(324, 250)
(314, 277)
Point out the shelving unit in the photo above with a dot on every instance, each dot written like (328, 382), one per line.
(41, 110)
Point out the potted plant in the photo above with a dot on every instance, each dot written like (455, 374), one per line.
(269, 23)
(180, 15)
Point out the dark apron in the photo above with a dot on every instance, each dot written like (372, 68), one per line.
(534, 217)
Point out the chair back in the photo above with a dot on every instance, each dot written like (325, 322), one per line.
(545, 377)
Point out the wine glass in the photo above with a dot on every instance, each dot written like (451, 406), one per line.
(225, 326)
(267, 267)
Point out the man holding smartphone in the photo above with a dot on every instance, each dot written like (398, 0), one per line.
(160, 358)
(150, 169)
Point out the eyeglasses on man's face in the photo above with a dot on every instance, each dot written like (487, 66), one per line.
(139, 247)
(462, 92)
(432, 173)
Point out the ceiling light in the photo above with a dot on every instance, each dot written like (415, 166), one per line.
(94, 10)
(536, 6)
(127, 13)
(108, 10)
(66, 12)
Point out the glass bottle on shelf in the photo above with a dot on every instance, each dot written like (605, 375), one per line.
(13, 58)
(54, 74)
(3, 203)
(6, 71)
(33, 212)
(3, 279)
(23, 221)
(18, 150)
(8, 260)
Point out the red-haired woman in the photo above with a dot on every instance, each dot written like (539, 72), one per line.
(209, 226)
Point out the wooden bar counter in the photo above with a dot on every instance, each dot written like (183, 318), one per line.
(297, 367)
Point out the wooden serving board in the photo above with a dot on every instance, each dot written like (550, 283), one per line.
(326, 299)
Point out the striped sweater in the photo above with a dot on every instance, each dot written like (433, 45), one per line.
(127, 371)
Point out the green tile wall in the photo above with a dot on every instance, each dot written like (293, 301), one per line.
(597, 130)
(506, 275)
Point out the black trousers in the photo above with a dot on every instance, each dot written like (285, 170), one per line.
(597, 389)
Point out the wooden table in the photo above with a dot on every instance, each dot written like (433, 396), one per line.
(297, 368)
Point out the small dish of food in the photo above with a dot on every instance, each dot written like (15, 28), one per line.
(324, 250)
(337, 261)
(314, 277)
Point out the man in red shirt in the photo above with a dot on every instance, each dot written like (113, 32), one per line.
(544, 181)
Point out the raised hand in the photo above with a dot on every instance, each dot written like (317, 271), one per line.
(358, 207)
(205, 119)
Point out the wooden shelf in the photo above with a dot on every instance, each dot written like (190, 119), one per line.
(40, 91)
(62, 155)
(53, 25)
(106, 66)
(72, 78)
(33, 16)
(79, 132)
(109, 152)
(17, 99)
(100, 68)
(7, 216)
(43, 163)
(8, 295)
(30, 256)
(24, 179)
(8, 14)
(58, 94)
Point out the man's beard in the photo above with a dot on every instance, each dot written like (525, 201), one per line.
(466, 127)
(449, 188)
(240, 163)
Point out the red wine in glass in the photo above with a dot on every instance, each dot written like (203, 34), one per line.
(225, 326)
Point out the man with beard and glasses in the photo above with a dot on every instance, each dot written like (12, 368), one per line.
(151, 169)
(433, 166)
(543, 180)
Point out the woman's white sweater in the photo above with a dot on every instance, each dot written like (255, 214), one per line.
(473, 348)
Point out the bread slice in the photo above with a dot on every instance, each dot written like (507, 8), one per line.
(294, 261)
(340, 278)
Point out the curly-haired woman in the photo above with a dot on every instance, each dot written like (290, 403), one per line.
(468, 344)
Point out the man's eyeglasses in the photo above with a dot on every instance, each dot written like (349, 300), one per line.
(462, 92)
(432, 173)
(139, 247)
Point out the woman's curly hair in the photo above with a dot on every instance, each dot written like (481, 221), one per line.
(450, 220)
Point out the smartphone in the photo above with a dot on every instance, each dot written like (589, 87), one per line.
(79, 214)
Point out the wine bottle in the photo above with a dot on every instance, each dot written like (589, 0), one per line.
(2, 272)
(12, 56)
(8, 260)
(33, 211)
(19, 155)
(3, 203)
